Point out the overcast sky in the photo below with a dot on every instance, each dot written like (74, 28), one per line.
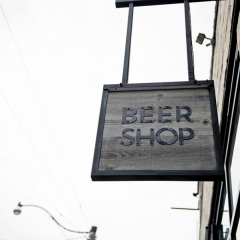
(55, 56)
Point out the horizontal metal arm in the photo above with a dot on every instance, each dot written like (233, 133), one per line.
(140, 3)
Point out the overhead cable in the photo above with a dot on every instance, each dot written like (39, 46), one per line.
(40, 195)
(43, 113)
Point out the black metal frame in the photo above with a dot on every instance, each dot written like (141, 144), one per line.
(223, 190)
(151, 175)
(229, 123)
(214, 230)
(191, 75)
(128, 45)
(141, 3)
(131, 5)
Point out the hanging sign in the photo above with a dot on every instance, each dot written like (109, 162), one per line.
(158, 131)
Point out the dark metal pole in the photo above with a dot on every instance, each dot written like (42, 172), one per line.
(191, 75)
(128, 45)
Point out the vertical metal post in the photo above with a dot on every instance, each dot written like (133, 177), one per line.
(128, 45)
(191, 75)
(207, 232)
(214, 233)
(220, 232)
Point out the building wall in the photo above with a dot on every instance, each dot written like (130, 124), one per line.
(238, 33)
(222, 29)
(221, 50)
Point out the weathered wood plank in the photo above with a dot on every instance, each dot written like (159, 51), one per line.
(196, 154)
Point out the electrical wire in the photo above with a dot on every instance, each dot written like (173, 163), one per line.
(84, 216)
(40, 195)
(43, 113)
(63, 233)
(36, 152)
(25, 67)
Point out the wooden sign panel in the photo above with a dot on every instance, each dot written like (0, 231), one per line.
(162, 131)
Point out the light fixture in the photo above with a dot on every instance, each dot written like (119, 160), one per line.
(18, 209)
(197, 195)
(92, 234)
(201, 37)
(93, 229)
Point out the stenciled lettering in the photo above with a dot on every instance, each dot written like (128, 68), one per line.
(139, 136)
(130, 113)
(161, 114)
(186, 115)
(143, 114)
(129, 116)
(173, 140)
(131, 138)
(182, 137)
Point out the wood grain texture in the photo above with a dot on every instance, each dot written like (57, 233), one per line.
(196, 154)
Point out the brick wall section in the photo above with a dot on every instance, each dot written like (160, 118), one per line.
(219, 62)
(238, 33)
(220, 55)
(205, 208)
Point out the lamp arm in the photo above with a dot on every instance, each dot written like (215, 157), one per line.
(208, 38)
(29, 205)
